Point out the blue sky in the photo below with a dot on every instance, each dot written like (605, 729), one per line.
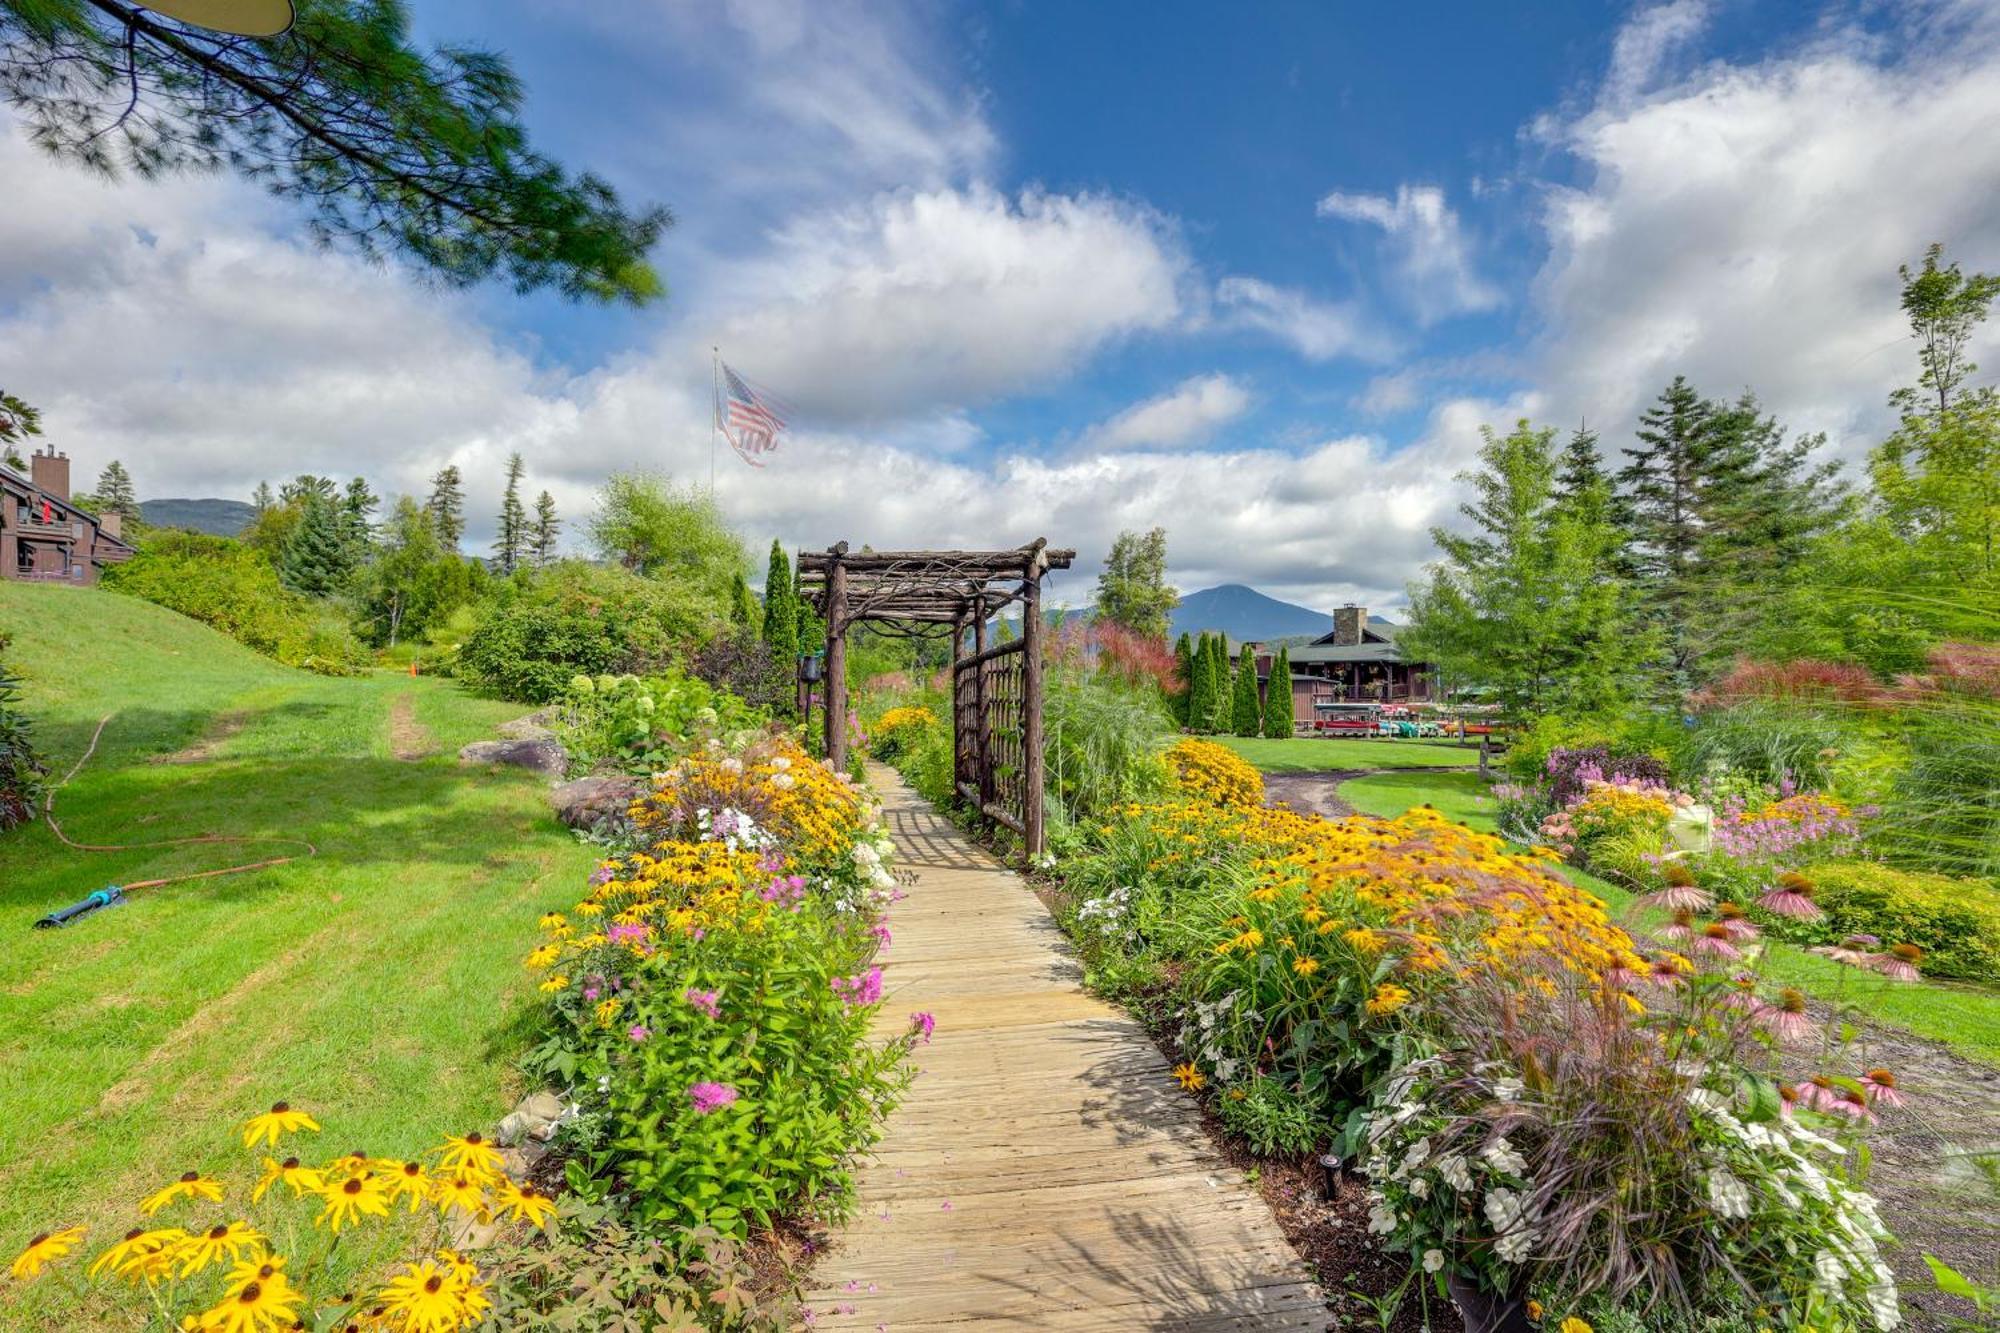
(1255, 274)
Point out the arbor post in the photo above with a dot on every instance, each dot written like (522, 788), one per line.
(1031, 722)
(835, 709)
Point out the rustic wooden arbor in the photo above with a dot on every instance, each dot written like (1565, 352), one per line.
(996, 689)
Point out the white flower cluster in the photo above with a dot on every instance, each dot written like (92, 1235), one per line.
(1108, 916)
(734, 829)
(1201, 1034)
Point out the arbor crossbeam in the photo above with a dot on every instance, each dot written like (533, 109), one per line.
(996, 691)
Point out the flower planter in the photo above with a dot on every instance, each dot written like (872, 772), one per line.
(1485, 1311)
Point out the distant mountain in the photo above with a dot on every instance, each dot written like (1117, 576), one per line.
(221, 518)
(1246, 614)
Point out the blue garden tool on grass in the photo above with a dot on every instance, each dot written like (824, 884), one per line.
(111, 897)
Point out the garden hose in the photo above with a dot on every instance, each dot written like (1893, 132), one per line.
(115, 894)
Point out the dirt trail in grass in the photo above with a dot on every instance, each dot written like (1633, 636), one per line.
(212, 740)
(409, 739)
(1315, 793)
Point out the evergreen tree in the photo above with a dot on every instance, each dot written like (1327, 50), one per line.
(115, 493)
(1278, 715)
(18, 421)
(812, 630)
(542, 546)
(1201, 684)
(1529, 602)
(511, 546)
(781, 626)
(447, 507)
(1132, 591)
(261, 499)
(741, 603)
(305, 485)
(315, 560)
(1221, 696)
(1246, 718)
(357, 519)
(1183, 678)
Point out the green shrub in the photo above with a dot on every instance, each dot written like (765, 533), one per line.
(1956, 922)
(1271, 1119)
(643, 724)
(22, 773)
(542, 630)
(230, 587)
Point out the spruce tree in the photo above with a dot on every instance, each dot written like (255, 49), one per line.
(741, 604)
(542, 546)
(115, 494)
(1178, 701)
(315, 560)
(511, 546)
(357, 520)
(1278, 715)
(447, 507)
(1246, 717)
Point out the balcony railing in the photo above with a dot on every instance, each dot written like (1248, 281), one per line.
(48, 576)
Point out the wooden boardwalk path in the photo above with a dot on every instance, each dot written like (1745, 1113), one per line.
(1044, 1171)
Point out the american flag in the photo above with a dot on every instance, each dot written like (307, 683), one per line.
(751, 419)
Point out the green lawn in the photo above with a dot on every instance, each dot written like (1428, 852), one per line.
(1465, 797)
(371, 984)
(1965, 1018)
(1311, 754)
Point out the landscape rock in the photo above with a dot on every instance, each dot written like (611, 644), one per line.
(541, 1106)
(543, 756)
(590, 803)
(534, 727)
(513, 1129)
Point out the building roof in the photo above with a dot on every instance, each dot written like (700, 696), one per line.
(1379, 651)
(25, 488)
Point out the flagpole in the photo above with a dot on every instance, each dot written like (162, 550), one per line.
(714, 411)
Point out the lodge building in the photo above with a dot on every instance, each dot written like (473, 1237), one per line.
(45, 538)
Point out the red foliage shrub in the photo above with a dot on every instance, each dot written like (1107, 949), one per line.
(1805, 680)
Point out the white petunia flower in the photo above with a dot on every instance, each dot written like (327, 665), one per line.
(1500, 1155)
(1455, 1172)
(1433, 1260)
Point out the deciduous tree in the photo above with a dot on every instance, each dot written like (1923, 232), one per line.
(1132, 591)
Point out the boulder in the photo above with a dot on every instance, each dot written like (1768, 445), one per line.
(534, 727)
(513, 1129)
(541, 1106)
(591, 803)
(543, 756)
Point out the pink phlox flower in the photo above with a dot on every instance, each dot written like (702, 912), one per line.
(923, 1024)
(860, 991)
(639, 1032)
(708, 1001)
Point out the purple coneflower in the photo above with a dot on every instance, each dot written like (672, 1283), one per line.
(1787, 1020)
(1788, 1097)
(1899, 963)
(1733, 919)
(1679, 898)
(1819, 1093)
(1714, 942)
(1853, 1105)
(1681, 929)
(1791, 896)
(1855, 950)
(1882, 1089)
(709, 1097)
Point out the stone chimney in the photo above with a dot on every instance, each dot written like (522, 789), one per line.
(112, 524)
(1347, 624)
(50, 472)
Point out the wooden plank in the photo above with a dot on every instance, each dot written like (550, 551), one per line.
(1043, 1171)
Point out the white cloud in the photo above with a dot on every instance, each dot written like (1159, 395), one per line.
(1432, 258)
(946, 298)
(1316, 330)
(1744, 226)
(1647, 41)
(1187, 414)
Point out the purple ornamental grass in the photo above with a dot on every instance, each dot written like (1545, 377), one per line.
(710, 1097)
